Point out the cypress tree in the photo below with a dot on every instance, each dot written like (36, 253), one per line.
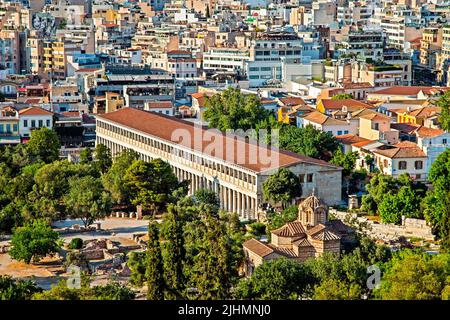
(154, 272)
(173, 254)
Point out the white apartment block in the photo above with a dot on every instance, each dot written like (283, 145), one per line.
(225, 60)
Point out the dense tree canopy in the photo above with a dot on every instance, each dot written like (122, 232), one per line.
(415, 275)
(278, 279)
(308, 141)
(444, 104)
(393, 198)
(114, 178)
(437, 201)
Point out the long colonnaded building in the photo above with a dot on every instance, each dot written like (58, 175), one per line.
(233, 166)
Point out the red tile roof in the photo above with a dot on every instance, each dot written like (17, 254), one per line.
(258, 248)
(292, 101)
(159, 105)
(246, 154)
(350, 103)
(404, 149)
(350, 139)
(410, 90)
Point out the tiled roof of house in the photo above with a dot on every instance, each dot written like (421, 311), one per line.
(424, 132)
(35, 111)
(405, 127)
(250, 153)
(292, 101)
(351, 104)
(320, 118)
(375, 116)
(159, 105)
(258, 248)
(350, 139)
(359, 85)
(425, 112)
(410, 90)
(404, 149)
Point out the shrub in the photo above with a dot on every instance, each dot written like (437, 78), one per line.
(258, 228)
(76, 243)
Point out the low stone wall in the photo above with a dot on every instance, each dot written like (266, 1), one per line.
(409, 228)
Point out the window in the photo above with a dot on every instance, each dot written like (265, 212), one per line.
(346, 132)
(8, 128)
(15, 128)
(339, 132)
(418, 176)
(402, 165)
(444, 141)
(309, 177)
(418, 165)
(301, 178)
(25, 123)
(33, 123)
(41, 123)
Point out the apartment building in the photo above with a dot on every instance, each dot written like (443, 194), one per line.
(225, 59)
(268, 49)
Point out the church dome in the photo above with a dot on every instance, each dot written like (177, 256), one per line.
(312, 202)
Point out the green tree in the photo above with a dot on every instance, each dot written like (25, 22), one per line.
(11, 289)
(346, 161)
(33, 241)
(44, 145)
(102, 157)
(437, 202)
(415, 275)
(87, 200)
(332, 289)
(113, 179)
(308, 141)
(86, 155)
(137, 264)
(444, 104)
(111, 291)
(206, 196)
(277, 279)
(151, 183)
(154, 271)
(390, 209)
(342, 96)
(282, 186)
(231, 109)
(173, 254)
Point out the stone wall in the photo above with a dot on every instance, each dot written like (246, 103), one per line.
(409, 228)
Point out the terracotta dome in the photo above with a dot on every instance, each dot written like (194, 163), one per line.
(312, 202)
